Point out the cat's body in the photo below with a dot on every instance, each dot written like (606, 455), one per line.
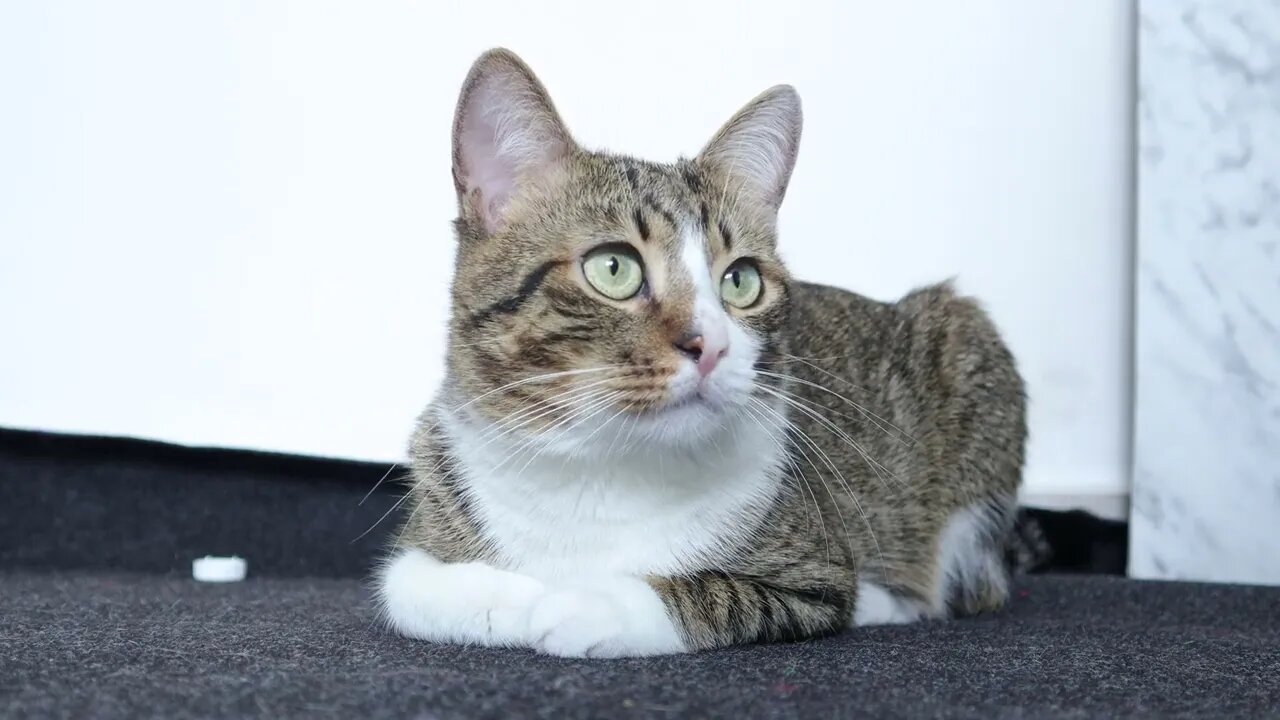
(679, 468)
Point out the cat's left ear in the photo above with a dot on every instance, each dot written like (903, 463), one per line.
(506, 134)
(757, 148)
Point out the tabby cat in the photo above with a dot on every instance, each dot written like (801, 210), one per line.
(652, 439)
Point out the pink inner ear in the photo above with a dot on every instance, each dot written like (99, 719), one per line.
(485, 169)
(508, 133)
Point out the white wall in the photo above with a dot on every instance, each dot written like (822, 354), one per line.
(228, 223)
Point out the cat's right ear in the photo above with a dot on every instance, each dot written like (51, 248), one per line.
(506, 132)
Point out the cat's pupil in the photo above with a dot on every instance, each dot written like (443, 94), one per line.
(737, 279)
(614, 265)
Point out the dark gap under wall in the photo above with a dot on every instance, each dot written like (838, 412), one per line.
(73, 502)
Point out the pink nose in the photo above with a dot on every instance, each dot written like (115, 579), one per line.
(703, 353)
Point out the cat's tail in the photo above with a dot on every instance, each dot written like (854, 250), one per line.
(1075, 541)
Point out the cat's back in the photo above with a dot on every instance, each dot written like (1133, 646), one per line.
(933, 336)
(919, 408)
(826, 317)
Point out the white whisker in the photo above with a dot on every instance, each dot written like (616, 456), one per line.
(876, 467)
(870, 415)
(835, 471)
(801, 481)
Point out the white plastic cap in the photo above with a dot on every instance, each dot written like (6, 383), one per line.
(219, 569)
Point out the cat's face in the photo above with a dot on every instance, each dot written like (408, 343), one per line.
(598, 296)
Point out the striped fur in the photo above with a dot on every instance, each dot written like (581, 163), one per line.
(578, 488)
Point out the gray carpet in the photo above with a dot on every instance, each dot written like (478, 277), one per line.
(104, 645)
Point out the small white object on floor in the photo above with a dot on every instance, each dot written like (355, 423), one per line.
(219, 569)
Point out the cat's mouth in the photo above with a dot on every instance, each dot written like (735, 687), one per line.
(687, 400)
(694, 399)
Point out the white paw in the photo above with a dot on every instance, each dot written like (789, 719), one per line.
(507, 605)
(619, 617)
(466, 603)
(877, 606)
(573, 623)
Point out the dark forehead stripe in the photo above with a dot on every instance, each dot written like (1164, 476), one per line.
(726, 236)
(526, 290)
(633, 177)
(641, 225)
(652, 203)
(705, 217)
(610, 211)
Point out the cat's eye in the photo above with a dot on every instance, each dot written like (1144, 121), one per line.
(614, 270)
(741, 285)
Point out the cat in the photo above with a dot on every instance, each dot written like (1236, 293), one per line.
(651, 439)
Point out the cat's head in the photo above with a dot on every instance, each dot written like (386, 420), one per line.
(596, 291)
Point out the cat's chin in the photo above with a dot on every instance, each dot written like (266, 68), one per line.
(688, 422)
(686, 425)
(688, 410)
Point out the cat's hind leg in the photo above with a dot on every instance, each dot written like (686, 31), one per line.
(876, 605)
(972, 574)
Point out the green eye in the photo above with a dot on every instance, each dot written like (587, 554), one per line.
(741, 284)
(614, 270)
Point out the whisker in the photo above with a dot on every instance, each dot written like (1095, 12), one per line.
(876, 467)
(551, 403)
(839, 379)
(835, 504)
(631, 419)
(815, 405)
(588, 397)
(390, 510)
(543, 432)
(535, 378)
(835, 471)
(856, 406)
(812, 363)
(377, 485)
(801, 481)
(602, 426)
(787, 359)
(426, 474)
(598, 407)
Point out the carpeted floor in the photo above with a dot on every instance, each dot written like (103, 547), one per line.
(99, 619)
(83, 645)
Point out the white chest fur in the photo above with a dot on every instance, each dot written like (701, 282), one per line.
(611, 511)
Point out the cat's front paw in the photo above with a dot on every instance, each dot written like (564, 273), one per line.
(575, 623)
(622, 617)
(470, 603)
